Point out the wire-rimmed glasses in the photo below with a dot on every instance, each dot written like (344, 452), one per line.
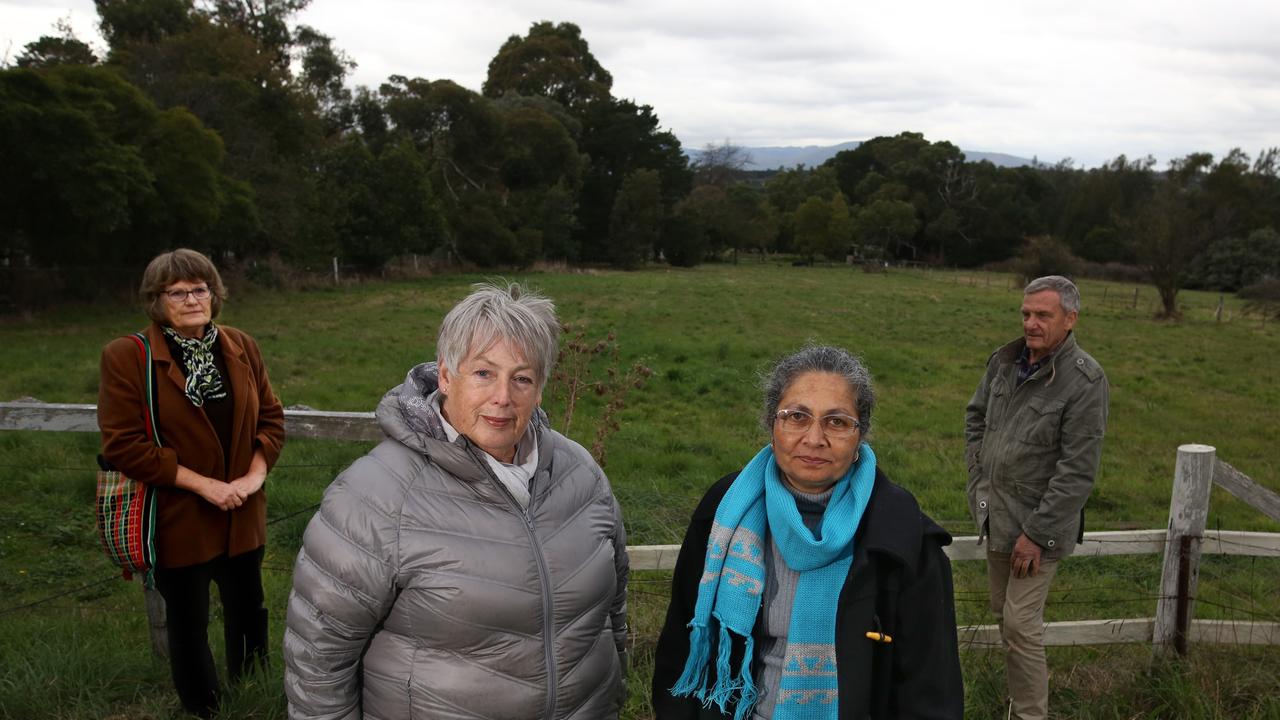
(793, 420)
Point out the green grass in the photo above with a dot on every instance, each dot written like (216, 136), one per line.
(707, 333)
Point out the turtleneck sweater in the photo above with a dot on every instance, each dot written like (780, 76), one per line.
(779, 593)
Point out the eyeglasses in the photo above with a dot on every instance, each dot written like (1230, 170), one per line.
(177, 297)
(833, 425)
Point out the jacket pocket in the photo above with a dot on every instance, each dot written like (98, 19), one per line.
(1031, 489)
(1042, 422)
(997, 402)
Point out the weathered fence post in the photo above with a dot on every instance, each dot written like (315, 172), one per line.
(335, 270)
(1217, 315)
(157, 622)
(1134, 306)
(1188, 511)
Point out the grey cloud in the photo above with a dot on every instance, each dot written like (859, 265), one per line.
(1088, 78)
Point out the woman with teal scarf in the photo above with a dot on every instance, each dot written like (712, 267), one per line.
(808, 585)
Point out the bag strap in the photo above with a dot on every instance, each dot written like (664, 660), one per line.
(149, 380)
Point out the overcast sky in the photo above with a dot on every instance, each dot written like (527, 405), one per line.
(1085, 79)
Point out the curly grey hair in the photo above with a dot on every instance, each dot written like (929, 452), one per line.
(492, 313)
(819, 358)
(1068, 293)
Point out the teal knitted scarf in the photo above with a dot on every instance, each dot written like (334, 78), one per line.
(733, 584)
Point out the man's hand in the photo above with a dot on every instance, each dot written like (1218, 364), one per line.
(1025, 560)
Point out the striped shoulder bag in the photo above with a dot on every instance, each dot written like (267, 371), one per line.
(126, 508)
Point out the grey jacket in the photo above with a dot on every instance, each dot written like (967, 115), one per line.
(423, 590)
(1033, 450)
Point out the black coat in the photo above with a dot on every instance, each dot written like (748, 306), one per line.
(899, 583)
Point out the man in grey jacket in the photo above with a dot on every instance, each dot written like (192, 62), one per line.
(1033, 440)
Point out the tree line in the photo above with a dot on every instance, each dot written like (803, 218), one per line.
(225, 125)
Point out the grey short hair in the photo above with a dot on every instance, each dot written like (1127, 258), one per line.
(819, 358)
(1068, 293)
(493, 312)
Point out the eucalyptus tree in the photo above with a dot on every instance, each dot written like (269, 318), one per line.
(96, 175)
(552, 60)
(1169, 229)
(228, 63)
(617, 137)
(636, 219)
(506, 171)
(62, 49)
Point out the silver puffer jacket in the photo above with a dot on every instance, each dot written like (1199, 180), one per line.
(423, 590)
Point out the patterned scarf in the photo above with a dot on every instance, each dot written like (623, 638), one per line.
(204, 382)
(732, 586)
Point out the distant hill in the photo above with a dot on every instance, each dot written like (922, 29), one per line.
(770, 158)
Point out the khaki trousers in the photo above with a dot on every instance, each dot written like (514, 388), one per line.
(1018, 604)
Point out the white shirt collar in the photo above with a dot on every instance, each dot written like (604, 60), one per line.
(514, 476)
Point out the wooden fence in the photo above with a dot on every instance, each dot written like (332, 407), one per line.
(1181, 544)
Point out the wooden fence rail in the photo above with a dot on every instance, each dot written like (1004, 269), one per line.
(68, 417)
(1096, 544)
(1181, 544)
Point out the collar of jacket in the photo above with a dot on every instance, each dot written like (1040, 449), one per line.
(461, 458)
(237, 377)
(895, 527)
(237, 370)
(1009, 352)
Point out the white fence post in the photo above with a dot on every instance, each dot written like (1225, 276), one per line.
(1188, 511)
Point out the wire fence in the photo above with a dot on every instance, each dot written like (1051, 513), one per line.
(1259, 575)
(1120, 296)
(115, 575)
(1230, 587)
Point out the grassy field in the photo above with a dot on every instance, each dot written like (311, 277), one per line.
(706, 333)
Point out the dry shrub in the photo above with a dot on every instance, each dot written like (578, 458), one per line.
(1043, 255)
(575, 377)
(1263, 298)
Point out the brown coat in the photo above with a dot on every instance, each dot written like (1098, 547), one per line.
(190, 530)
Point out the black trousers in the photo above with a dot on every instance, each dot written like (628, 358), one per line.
(186, 598)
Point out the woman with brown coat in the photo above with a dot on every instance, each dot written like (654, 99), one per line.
(221, 429)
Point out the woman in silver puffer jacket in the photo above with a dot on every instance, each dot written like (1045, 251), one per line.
(473, 564)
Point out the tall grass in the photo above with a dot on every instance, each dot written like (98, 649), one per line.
(707, 333)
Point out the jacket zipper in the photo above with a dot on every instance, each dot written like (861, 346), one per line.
(1016, 388)
(1011, 381)
(544, 579)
